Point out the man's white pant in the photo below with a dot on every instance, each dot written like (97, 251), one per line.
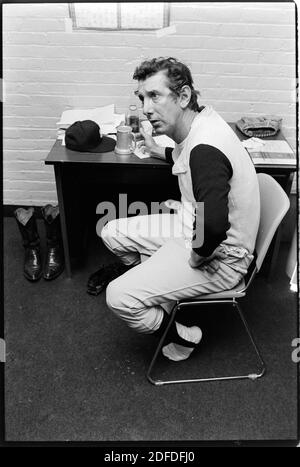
(141, 295)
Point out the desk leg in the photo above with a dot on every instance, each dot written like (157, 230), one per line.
(277, 240)
(288, 184)
(62, 212)
(275, 251)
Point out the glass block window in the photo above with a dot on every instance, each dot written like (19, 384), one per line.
(107, 16)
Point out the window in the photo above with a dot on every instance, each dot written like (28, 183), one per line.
(119, 15)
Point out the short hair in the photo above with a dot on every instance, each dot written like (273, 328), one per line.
(178, 73)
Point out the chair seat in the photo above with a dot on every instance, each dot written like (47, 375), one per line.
(236, 292)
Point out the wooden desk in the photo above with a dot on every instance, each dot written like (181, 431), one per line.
(83, 177)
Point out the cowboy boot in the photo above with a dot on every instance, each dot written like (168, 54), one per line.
(54, 264)
(26, 221)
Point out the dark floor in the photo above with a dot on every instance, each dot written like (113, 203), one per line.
(74, 372)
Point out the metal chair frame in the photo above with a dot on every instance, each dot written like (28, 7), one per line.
(190, 303)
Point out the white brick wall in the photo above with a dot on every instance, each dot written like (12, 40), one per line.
(242, 56)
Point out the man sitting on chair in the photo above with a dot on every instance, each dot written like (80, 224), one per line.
(213, 168)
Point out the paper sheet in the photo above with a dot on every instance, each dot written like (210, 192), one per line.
(253, 143)
(140, 154)
(269, 158)
(275, 146)
(100, 115)
(270, 152)
(161, 140)
(105, 128)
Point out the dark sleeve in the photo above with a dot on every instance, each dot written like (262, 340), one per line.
(168, 153)
(211, 171)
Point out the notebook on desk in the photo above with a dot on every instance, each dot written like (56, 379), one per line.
(273, 152)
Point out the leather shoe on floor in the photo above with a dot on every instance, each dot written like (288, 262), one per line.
(54, 264)
(33, 264)
(100, 279)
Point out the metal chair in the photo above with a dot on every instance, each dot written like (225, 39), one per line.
(274, 205)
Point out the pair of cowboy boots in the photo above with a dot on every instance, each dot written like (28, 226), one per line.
(34, 268)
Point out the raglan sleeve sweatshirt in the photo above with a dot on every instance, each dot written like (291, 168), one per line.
(211, 171)
(168, 155)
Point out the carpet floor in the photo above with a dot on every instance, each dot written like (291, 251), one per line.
(74, 372)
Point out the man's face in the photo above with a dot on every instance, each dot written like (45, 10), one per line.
(160, 106)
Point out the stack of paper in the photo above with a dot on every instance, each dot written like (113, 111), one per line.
(270, 152)
(104, 116)
(98, 115)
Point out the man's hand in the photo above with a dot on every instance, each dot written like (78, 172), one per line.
(150, 146)
(210, 263)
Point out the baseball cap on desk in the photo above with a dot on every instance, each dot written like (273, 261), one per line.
(85, 136)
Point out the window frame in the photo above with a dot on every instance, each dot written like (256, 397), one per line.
(72, 13)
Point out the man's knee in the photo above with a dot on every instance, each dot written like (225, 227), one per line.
(116, 295)
(125, 304)
(111, 296)
(108, 232)
(120, 295)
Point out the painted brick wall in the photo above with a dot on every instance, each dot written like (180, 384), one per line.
(242, 56)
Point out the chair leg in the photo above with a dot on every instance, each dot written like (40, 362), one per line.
(160, 344)
(251, 376)
(262, 363)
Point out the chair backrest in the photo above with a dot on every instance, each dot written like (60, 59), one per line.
(274, 204)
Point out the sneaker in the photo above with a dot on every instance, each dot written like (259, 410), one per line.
(99, 280)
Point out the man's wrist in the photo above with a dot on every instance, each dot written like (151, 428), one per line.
(158, 152)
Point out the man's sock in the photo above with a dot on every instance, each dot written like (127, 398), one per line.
(177, 352)
(181, 340)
